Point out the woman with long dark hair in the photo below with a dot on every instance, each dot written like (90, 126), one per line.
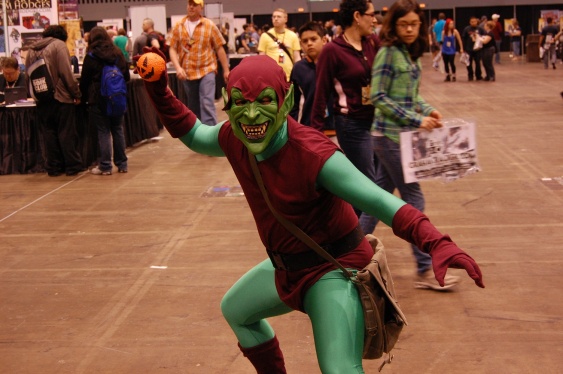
(343, 72)
(395, 82)
(101, 52)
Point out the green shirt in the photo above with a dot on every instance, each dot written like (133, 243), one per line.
(121, 41)
(394, 92)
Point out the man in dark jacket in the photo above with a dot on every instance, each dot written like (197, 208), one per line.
(469, 35)
(57, 117)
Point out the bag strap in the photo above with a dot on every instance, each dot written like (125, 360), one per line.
(282, 46)
(292, 228)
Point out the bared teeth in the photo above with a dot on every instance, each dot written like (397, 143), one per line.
(254, 131)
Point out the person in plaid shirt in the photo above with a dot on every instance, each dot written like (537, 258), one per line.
(195, 46)
(395, 81)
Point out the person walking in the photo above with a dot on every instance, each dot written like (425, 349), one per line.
(280, 43)
(343, 74)
(547, 42)
(438, 31)
(102, 52)
(396, 76)
(450, 42)
(497, 33)
(195, 47)
(57, 117)
(304, 75)
(141, 40)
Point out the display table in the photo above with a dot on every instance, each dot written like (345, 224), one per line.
(21, 143)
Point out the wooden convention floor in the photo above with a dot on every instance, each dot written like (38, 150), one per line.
(124, 274)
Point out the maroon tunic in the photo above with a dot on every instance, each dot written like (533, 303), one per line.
(290, 178)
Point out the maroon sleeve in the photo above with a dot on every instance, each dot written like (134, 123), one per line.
(174, 115)
(323, 88)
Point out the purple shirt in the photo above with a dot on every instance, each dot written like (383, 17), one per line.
(342, 71)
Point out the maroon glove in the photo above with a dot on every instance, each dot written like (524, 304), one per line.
(173, 114)
(413, 226)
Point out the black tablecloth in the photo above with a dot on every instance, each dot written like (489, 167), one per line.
(21, 143)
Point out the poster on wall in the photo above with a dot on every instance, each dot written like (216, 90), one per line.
(75, 42)
(556, 15)
(25, 23)
(68, 9)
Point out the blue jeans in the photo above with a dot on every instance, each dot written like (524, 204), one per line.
(201, 98)
(549, 56)
(390, 176)
(354, 138)
(108, 128)
(497, 53)
(516, 48)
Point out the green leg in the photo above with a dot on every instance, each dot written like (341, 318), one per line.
(334, 307)
(248, 303)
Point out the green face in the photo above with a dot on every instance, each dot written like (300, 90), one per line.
(256, 122)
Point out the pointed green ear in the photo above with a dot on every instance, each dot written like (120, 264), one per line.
(225, 97)
(287, 103)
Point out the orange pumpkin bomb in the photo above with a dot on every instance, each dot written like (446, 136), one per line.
(150, 66)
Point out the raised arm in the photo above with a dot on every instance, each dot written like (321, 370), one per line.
(340, 177)
(178, 119)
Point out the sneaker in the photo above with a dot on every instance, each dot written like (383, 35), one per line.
(427, 280)
(97, 171)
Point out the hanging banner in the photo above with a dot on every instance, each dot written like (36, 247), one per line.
(449, 152)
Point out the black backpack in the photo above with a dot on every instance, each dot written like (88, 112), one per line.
(41, 84)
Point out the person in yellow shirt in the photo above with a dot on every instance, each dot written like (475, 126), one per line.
(280, 43)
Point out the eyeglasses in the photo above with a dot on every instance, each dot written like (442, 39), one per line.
(372, 15)
(405, 26)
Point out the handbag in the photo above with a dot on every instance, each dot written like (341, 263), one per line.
(383, 319)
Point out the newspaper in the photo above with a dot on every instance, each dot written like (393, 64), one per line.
(448, 153)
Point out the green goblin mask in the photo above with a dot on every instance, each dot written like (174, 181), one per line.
(258, 99)
(256, 122)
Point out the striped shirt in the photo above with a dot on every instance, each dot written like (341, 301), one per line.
(196, 53)
(394, 92)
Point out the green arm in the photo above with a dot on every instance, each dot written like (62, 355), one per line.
(204, 139)
(341, 177)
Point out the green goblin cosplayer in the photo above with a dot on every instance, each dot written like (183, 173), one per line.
(312, 184)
